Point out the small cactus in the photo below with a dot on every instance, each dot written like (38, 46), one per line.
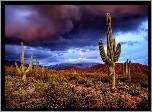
(37, 72)
(126, 70)
(22, 69)
(43, 70)
(37, 63)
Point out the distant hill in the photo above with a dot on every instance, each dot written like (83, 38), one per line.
(91, 67)
(64, 66)
(135, 68)
(61, 66)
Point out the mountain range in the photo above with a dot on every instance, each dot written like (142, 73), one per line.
(92, 67)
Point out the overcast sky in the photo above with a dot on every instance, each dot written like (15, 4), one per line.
(69, 33)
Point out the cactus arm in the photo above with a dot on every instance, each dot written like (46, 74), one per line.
(22, 55)
(126, 69)
(22, 68)
(102, 51)
(30, 65)
(37, 63)
(109, 38)
(114, 45)
(43, 70)
(129, 67)
(117, 52)
(17, 68)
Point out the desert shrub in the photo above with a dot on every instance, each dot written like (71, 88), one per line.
(40, 85)
(143, 103)
(119, 83)
(10, 71)
(133, 91)
(88, 101)
(139, 78)
(50, 96)
(122, 78)
(10, 88)
(103, 78)
(72, 76)
(90, 75)
(85, 81)
(71, 99)
(60, 97)
(113, 101)
(145, 85)
(81, 80)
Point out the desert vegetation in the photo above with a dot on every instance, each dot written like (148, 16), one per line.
(40, 87)
(73, 89)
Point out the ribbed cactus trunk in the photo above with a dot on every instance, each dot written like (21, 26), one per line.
(111, 70)
(113, 52)
(126, 70)
(22, 69)
(23, 63)
(37, 66)
(37, 63)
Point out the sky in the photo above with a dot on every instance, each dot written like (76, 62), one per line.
(57, 34)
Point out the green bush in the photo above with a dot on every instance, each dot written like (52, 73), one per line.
(140, 78)
(112, 101)
(10, 71)
(103, 78)
(60, 97)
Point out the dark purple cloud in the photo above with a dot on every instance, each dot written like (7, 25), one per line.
(40, 24)
(61, 27)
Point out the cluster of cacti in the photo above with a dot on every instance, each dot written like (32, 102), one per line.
(113, 52)
(23, 69)
(126, 69)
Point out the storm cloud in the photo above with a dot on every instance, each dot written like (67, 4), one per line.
(49, 31)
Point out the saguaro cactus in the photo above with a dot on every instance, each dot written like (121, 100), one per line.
(43, 71)
(37, 63)
(126, 69)
(22, 69)
(113, 52)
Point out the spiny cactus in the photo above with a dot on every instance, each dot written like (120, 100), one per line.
(113, 52)
(22, 69)
(126, 69)
(37, 69)
(37, 63)
(43, 70)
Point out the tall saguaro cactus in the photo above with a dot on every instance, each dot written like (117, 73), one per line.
(126, 69)
(113, 52)
(22, 69)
